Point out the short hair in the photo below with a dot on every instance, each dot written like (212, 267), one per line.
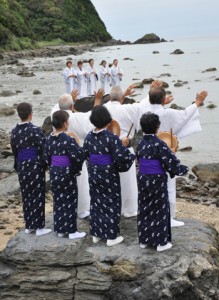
(65, 102)
(115, 60)
(80, 62)
(157, 95)
(116, 93)
(59, 118)
(24, 109)
(150, 123)
(103, 61)
(90, 60)
(67, 62)
(100, 116)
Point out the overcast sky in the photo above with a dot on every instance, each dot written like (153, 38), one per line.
(131, 19)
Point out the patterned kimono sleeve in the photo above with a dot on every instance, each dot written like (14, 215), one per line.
(40, 142)
(86, 149)
(46, 153)
(76, 154)
(170, 162)
(14, 150)
(122, 157)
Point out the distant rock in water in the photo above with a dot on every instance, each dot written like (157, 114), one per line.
(139, 85)
(177, 51)
(155, 52)
(36, 92)
(25, 73)
(211, 106)
(7, 94)
(127, 58)
(147, 80)
(49, 267)
(175, 106)
(210, 70)
(7, 110)
(185, 149)
(149, 38)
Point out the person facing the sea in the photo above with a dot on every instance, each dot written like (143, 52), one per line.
(27, 142)
(65, 158)
(105, 77)
(70, 76)
(92, 78)
(82, 78)
(106, 157)
(155, 159)
(116, 73)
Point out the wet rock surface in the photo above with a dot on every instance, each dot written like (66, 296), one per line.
(49, 267)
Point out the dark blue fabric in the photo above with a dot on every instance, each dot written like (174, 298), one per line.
(104, 181)
(63, 181)
(153, 204)
(31, 173)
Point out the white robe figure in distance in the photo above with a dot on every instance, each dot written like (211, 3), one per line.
(182, 123)
(69, 74)
(82, 78)
(126, 115)
(116, 73)
(92, 78)
(105, 77)
(79, 123)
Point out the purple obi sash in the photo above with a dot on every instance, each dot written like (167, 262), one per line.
(61, 161)
(101, 159)
(150, 166)
(27, 154)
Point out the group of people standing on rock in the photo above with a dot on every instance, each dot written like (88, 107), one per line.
(85, 79)
(93, 171)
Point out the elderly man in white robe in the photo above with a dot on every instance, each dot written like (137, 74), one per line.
(69, 74)
(79, 123)
(92, 78)
(181, 122)
(82, 79)
(116, 73)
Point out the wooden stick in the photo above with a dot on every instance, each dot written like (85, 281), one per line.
(130, 130)
(171, 138)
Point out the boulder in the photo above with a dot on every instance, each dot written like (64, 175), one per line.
(210, 70)
(185, 149)
(139, 85)
(217, 78)
(207, 172)
(177, 51)
(25, 73)
(211, 106)
(36, 92)
(127, 58)
(47, 126)
(178, 84)
(49, 267)
(175, 106)
(164, 84)
(155, 52)
(9, 185)
(7, 110)
(149, 39)
(165, 75)
(7, 94)
(147, 80)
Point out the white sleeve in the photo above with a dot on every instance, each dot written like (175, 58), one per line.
(54, 109)
(66, 73)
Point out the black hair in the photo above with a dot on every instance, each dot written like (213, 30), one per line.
(103, 61)
(149, 123)
(24, 109)
(90, 60)
(115, 60)
(157, 95)
(80, 62)
(67, 62)
(59, 118)
(100, 116)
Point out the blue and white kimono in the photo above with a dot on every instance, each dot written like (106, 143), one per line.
(106, 158)
(155, 159)
(27, 142)
(64, 158)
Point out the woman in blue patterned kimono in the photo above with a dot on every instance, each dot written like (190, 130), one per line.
(106, 158)
(64, 158)
(27, 143)
(155, 159)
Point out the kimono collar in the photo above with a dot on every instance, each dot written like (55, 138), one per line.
(22, 123)
(98, 130)
(115, 103)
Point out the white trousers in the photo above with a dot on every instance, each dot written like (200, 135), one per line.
(83, 190)
(171, 186)
(129, 189)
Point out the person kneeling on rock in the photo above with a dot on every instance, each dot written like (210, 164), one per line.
(64, 158)
(27, 142)
(155, 160)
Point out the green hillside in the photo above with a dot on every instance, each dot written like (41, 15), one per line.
(23, 22)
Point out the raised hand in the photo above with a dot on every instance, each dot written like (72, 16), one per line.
(98, 96)
(156, 83)
(168, 99)
(200, 98)
(75, 94)
(125, 141)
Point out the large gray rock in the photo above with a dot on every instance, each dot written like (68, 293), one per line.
(9, 185)
(149, 39)
(207, 172)
(49, 267)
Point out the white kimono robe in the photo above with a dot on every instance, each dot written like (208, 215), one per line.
(92, 81)
(116, 78)
(183, 123)
(79, 124)
(69, 81)
(82, 82)
(105, 80)
(125, 115)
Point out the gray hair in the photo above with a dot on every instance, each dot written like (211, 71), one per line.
(66, 102)
(116, 93)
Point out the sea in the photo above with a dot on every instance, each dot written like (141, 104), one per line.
(200, 53)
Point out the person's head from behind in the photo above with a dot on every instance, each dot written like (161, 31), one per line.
(115, 62)
(116, 94)
(100, 117)
(69, 64)
(60, 120)
(24, 111)
(157, 95)
(66, 102)
(91, 62)
(150, 123)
